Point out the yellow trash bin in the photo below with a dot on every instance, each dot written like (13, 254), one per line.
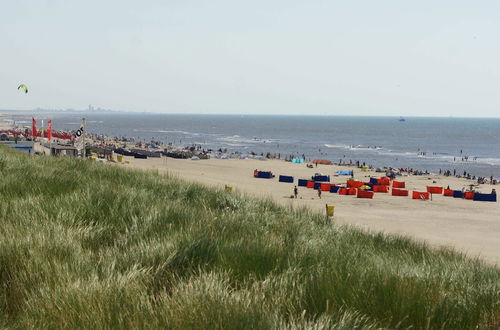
(119, 158)
(329, 210)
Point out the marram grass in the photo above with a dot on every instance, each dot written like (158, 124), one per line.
(86, 245)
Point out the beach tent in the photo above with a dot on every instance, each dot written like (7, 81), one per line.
(381, 189)
(285, 178)
(354, 184)
(334, 189)
(317, 185)
(398, 184)
(435, 190)
(373, 180)
(343, 191)
(321, 178)
(298, 160)
(302, 183)
(485, 197)
(469, 195)
(458, 194)
(322, 161)
(325, 187)
(448, 192)
(263, 174)
(420, 195)
(352, 191)
(343, 172)
(385, 181)
(399, 192)
(365, 194)
(310, 184)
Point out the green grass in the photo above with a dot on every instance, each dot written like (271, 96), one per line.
(84, 245)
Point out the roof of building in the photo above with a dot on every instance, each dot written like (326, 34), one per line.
(61, 147)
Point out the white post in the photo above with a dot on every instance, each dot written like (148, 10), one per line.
(79, 141)
(83, 138)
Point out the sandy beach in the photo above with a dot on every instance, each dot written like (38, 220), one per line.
(469, 226)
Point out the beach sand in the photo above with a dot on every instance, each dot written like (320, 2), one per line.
(468, 226)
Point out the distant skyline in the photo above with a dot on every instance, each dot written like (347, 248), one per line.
(366, 58)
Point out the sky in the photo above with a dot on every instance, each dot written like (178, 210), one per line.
(384, 57)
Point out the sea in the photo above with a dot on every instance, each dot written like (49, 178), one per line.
(428, 144)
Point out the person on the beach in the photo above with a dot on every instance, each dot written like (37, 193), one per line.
(493, 191)
(295, 191)
(319, 193)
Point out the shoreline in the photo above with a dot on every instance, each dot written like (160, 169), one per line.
(420, 159)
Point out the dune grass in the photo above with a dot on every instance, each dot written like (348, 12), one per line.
(86, 245)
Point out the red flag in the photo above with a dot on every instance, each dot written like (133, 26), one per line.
(49, 130)
(33, 127)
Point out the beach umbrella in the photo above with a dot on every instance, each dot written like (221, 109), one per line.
(23, 87)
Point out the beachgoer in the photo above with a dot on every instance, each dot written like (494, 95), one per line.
(493, 191)
(319, 193)
(295, 191)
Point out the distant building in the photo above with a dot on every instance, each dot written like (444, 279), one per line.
(58, 150)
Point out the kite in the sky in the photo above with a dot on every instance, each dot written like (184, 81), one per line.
(24, 88)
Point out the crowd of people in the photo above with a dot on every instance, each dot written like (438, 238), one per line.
(466, 175)
(342, 161)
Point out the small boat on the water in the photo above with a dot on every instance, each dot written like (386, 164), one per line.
(402, 119)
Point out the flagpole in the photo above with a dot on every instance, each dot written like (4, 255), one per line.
(83, 138)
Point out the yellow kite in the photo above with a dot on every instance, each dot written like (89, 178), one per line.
(24, 88)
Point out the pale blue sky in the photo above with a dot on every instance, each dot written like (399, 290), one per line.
(264, 57)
